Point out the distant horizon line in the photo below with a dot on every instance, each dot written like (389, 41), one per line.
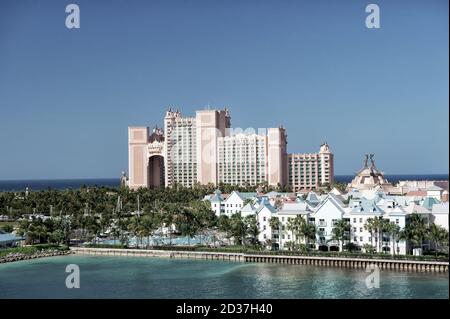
(118, 178)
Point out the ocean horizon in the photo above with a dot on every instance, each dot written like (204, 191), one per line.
(74, 183)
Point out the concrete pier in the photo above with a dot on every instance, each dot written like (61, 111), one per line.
(357, 263)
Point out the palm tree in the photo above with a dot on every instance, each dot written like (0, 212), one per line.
(137, 229)
(370, 227)
(438, 235)
(251, 228)
(416, 230)
(340, 231)
(309, 232)
(295, 225)
(394, 234)
(274, 223)
(383, 229)
(238, 228)
(224, 225)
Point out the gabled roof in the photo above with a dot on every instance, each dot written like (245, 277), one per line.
(397, 211)
(441, 208)
(237, 194)
(312, 198)
(265, 204)
(337, 199)
(434, 188)
(367, 207)
(416, 209)
(217, 197)
(334, 200)
(249, 208)
(428, 202)
(336, 191)
(247, 195)
(295, 208)
(273, 194)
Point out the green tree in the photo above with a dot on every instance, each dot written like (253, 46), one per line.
(296, 226)
(251, 228)
(439, 236)
(238, 228)
(415, 231)
(224, 225)
(370, 226)
(275, 224)
(309, 232)
(7, 228)
(394, 234)
(340, 232)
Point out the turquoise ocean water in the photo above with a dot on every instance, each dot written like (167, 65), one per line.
(128, 277)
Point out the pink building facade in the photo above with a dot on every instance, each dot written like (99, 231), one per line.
(201, 150)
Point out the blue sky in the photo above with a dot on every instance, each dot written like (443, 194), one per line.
(67, 96)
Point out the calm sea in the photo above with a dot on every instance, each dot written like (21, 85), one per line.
(21, 185)
(137, 277)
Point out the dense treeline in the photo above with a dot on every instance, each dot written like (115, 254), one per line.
(102, 199)
(87, 213)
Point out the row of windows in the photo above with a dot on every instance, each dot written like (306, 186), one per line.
(397, 221)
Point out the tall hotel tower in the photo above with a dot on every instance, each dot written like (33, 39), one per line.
(201, 150)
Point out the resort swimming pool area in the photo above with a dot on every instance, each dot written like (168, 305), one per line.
(163, 240)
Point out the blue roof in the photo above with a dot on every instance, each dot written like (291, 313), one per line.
(265, 203)
(429, 202)
(7, 237)
(248, 195)
(217, 197)
(365, 206)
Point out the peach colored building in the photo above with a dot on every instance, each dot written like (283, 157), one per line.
(201, 150)
(310, 171)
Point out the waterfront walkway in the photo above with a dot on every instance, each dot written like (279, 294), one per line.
(404, 265)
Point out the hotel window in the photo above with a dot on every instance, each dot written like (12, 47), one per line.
(354, 229)
(264, 227)
(360, 229)
(360, 220)
(355, 238)
(282, 236)
(354, 220)
(360, 238)
(397, 221)
(289, 236)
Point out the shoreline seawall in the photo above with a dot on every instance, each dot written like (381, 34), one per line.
(19, 256)
(355, 263)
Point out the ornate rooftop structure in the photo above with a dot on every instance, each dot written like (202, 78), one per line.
(369, 177)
